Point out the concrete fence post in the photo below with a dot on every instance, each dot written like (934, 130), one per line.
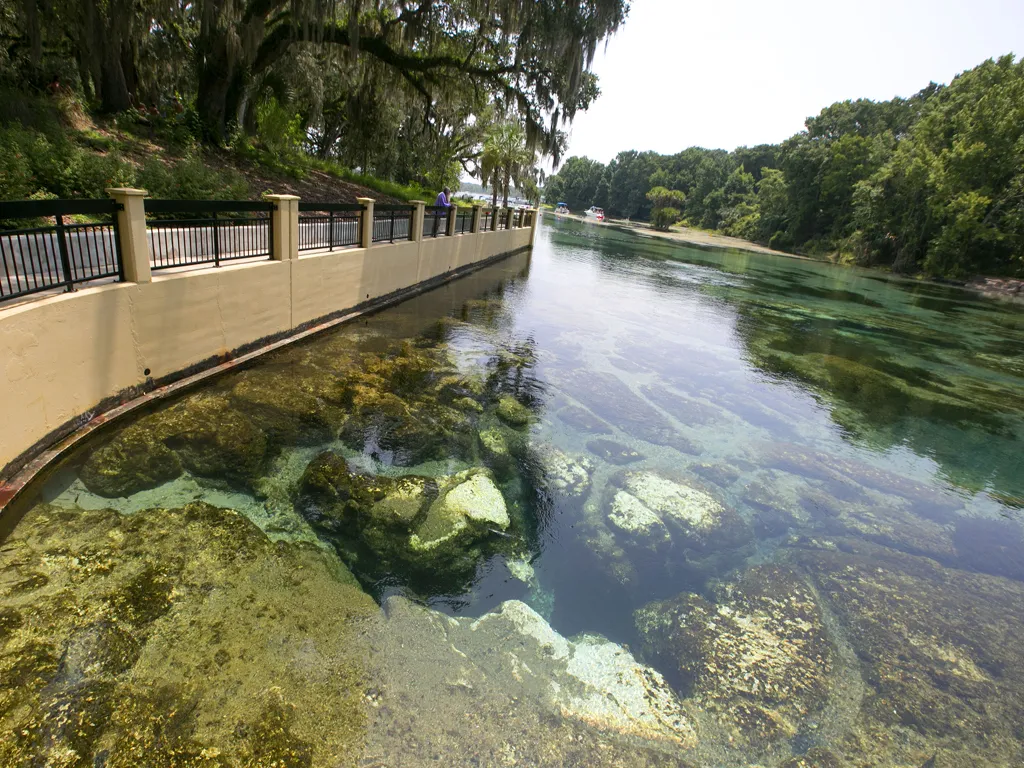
(508, 217)
(366, 237)
(417, 219)
(534, 219)
(453, 212)
(285, 226)
(131, 230)
(478, 213)
(494, 218)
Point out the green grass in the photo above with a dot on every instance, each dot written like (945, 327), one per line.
(43, 156)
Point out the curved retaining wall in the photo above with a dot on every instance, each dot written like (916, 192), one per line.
(67, 357)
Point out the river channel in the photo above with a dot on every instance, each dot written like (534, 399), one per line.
(614, 502)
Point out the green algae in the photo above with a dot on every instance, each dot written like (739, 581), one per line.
(139, 648)
(758, 660)
(202, 434)
(431, 533)
(938, 646)
(512, 412)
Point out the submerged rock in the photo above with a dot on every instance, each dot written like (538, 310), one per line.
(561, 475)
(638, 522)
(554, 697)
(135, 460)
(292, 406)
(427, 531)
(513, 413)
(583, 420)
(940, 649)
(650, 531)
(177, 637)
(469, 506)
(201, 433)
(696, 519)
(613, 452)
(759, 660)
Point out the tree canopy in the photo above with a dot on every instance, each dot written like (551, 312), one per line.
(382, 86)
(931, 183)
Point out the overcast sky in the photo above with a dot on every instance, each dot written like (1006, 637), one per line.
(742, 72)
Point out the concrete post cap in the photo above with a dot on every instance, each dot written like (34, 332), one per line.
(268, 196)
(417, 202)
(126, 191)
(364, 200)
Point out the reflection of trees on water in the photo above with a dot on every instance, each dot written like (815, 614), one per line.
(877, 389)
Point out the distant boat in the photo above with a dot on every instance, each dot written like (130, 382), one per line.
(594, 213)
(562, 209)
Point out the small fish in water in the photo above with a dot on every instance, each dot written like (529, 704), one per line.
(500, 533)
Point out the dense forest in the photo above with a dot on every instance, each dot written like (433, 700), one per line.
(410, 91)
(932, 183)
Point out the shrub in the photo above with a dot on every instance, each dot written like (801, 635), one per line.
(190, 178)
(663, 218)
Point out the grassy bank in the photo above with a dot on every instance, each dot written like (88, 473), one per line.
(51, 147)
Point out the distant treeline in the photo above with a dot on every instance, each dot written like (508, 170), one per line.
(932, 183)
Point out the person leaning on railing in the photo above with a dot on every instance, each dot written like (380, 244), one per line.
(443, 201)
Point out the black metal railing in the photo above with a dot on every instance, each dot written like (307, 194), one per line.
(43, 256)
(392, 223)
(329, 225)
(503, 218)
(463, 221)
(486, 220)
(435, 221)
(185, 233)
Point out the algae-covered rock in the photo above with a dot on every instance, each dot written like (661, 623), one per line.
(332, 497)
(759, 660)
(177, 637)
(201, 433)
(501, 446)
(424, 531)
(513, 413)
(563, 476)
(136, 459)
(940, 648)
(291, 406)
(696, 519)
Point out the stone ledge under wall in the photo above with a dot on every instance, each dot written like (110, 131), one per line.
(71, 359)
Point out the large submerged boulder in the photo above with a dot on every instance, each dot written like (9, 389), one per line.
(560, 701)
(427, 530)
(650, 528)
(758, 660)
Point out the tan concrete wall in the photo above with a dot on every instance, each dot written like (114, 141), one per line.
(63, 355)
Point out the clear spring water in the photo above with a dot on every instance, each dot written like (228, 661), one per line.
(747, 510)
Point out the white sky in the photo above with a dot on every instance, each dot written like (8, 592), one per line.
(729, 73)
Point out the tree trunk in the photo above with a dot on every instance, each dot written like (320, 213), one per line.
(219, 96)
